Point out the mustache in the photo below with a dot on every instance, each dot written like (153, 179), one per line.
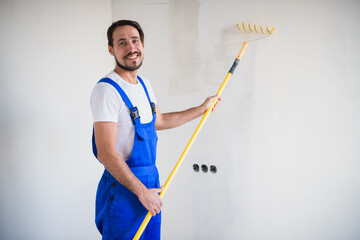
(131, 53)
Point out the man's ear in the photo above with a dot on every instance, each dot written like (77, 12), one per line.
(111, 50)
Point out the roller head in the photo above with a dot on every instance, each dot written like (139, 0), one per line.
(254, 28)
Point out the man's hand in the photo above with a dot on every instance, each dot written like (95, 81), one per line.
(151, 200)
(208, 102)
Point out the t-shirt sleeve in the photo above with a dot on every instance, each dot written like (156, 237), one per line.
(105, 103)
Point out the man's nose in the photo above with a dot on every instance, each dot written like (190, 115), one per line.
(131, 47)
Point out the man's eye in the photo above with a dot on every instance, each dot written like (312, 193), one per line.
(122, 43)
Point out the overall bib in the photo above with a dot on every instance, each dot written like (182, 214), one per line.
(119, 213)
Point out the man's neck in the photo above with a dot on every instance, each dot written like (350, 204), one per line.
(129, 76)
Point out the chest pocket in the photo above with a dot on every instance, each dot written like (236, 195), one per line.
(146, 133)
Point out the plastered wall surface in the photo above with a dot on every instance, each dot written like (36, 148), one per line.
(284, 139)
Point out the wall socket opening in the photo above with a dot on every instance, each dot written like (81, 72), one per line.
(204, 168)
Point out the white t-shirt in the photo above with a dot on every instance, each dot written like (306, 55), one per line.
(108, 106)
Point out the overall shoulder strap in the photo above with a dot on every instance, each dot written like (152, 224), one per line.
(119, 89)
(152, 105)
(143, 84)
(94, 143)
(134, 112)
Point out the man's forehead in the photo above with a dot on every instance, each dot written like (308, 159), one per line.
(126, 32)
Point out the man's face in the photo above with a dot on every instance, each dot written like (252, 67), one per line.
(127, 48)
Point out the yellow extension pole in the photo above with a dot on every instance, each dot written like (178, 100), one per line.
(192, 139)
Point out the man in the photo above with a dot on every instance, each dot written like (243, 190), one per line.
(126, 118)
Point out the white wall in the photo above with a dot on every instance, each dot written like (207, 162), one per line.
(52, 53)
(285, 138)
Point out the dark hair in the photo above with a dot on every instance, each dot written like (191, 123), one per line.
(120, 23)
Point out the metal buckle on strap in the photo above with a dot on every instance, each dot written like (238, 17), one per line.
(134, 112)
(153, 108)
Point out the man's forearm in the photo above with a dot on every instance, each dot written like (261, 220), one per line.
(175, 119)
(118, 168)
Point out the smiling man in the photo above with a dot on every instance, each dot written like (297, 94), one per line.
(126, 116)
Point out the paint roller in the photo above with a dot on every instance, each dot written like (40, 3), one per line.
(255, 28)
(244, 27)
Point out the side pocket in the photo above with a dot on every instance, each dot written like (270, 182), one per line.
(111, 204)
(113, 198)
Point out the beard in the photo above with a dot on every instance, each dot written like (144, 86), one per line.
(127, 68)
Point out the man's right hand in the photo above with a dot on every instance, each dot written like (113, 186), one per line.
(151, 200)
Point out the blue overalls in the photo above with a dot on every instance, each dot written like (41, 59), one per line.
(119, 213)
